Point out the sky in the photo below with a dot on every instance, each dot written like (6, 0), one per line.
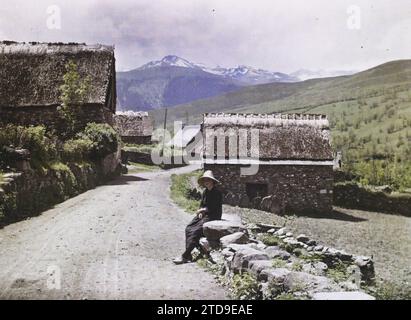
(275, 35)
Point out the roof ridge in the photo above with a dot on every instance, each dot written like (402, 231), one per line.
(278, 115)
(10, 47)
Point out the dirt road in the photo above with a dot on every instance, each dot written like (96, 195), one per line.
(113, 242)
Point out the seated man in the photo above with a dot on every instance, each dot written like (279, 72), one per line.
(210, 209)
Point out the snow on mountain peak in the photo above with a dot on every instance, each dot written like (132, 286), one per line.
(241, 73)
(170, 60)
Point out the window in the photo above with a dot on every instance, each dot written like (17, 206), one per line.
(256, 190)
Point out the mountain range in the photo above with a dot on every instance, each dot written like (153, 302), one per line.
(369, 114)
(173, 80)
(299, 96)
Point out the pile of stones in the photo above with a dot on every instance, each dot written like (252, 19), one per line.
(284, 264)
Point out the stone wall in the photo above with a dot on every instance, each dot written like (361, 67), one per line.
(273, 264)
(289, 188)
(136, 139)
(145, 158)
(351, 195)
(30, 192)
(48, 115)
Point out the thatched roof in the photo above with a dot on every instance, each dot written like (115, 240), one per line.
(31, 73)
(133, 124)
(281, 136)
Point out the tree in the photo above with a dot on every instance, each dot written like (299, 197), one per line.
(73, 93)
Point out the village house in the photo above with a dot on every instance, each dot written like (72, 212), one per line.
(295, 160)
(134, 127)
(31, 75)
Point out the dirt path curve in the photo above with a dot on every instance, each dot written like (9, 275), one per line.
(112, 242)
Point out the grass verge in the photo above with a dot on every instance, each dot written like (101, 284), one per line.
(181, 190)
(140, 167)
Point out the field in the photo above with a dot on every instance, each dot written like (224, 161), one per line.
(385, 237)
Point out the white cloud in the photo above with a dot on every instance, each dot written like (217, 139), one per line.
(277, 35)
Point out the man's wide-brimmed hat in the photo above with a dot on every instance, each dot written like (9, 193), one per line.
(208, 174)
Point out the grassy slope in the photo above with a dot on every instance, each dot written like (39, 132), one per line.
(369, 112)
(304, 95)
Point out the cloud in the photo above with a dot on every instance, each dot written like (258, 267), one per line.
(277, 35)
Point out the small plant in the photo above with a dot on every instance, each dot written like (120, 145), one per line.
(287, 247)
(298, 252)
(313, 257)
(76, 149)
(42, 147)
(297, 266)
(338, 271)
(245, 287)
(202, 263)
(278, 263)
(269, 240)
(73, 93)
(286, 296)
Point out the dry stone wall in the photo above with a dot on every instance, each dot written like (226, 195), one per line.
(351, 195)
(294, 189)
(48, 116)
(28, 193)
(282, 264)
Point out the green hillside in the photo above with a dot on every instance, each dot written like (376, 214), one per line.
(369, 112)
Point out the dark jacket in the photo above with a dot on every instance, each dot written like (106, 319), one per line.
(212, 200)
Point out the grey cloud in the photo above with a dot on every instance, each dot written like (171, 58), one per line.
(277, 35)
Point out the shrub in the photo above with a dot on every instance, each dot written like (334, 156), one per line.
(104, 139)
(33, 138)
(76, 150)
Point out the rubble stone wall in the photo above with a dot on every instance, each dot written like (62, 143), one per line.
(27, 193)
(48, 115)
(351, 195)
(296, 188)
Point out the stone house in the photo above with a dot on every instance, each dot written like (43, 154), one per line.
(134, 127)
(31, 75)
(294, 160)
